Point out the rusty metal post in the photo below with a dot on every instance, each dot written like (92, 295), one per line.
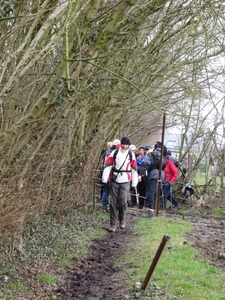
(155, 261)
(159, 183)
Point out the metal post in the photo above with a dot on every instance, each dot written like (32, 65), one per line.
(159, 184)
(155, 261)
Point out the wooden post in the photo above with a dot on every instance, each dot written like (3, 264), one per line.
(155, 261)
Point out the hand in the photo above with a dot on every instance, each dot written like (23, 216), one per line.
(139, 178)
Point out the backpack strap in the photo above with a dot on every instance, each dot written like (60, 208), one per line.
(114, 156)
(130, 155)
(116, 151)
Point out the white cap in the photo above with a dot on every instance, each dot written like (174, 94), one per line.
(116, 142)
(132, 147)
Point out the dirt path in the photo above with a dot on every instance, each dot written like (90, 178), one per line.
(96, 277)
(208, 237)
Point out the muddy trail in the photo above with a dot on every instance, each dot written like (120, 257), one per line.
(97, 278)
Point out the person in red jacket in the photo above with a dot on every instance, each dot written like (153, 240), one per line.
(171, 175)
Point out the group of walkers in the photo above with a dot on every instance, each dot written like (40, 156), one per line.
(126, 170)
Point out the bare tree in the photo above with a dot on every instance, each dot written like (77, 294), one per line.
(75, 74)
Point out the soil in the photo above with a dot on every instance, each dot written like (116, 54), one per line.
(97, 278)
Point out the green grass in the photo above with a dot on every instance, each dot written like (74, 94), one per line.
(180, 273)
(213, 185)
(47, 278)
(2, 296)
(218, 212)
(201, 179)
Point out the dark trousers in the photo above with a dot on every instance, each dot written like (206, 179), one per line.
(141, 188)
(105, 194)
(167, 195)
(150, 196)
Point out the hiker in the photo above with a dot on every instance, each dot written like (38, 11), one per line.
(133, 148)
(149, 173)
(121, 166)
(171, 175)
(101, 164)
(142, 151)
(132, 200)
(146, 149)
(138, 195)
(174, 159)
(141, 188)
(115, 145)
(105, 187)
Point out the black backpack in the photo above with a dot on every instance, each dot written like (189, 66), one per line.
(155, 155)
(176, 162)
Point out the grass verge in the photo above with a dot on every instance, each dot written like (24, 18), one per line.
(180, 273)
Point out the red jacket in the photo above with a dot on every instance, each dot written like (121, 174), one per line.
(171, 172)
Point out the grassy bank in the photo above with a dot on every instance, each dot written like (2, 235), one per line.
(180, 273)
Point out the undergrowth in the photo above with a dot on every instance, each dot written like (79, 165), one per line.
(48, 245)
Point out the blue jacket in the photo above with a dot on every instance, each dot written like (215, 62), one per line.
(148, 162)
(154, 174)
(139, 164)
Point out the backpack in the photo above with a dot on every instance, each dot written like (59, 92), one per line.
(116, 151)
(176, 162)
(156, 155)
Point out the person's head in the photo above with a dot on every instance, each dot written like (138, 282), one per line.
(109, 145)
(132, 148)
(125, 143)
(116, 142)
(169, 152)
(146, 148)
(141, 150)
(158, 147)
(138, 155)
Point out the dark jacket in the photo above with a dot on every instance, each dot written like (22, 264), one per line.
(147, 164)
(148, 169)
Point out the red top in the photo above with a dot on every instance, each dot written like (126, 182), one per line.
(171, 172)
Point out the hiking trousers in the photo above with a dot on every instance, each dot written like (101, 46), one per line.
(150, 195)
(118, 193)
(105, 195)
(167, 195)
